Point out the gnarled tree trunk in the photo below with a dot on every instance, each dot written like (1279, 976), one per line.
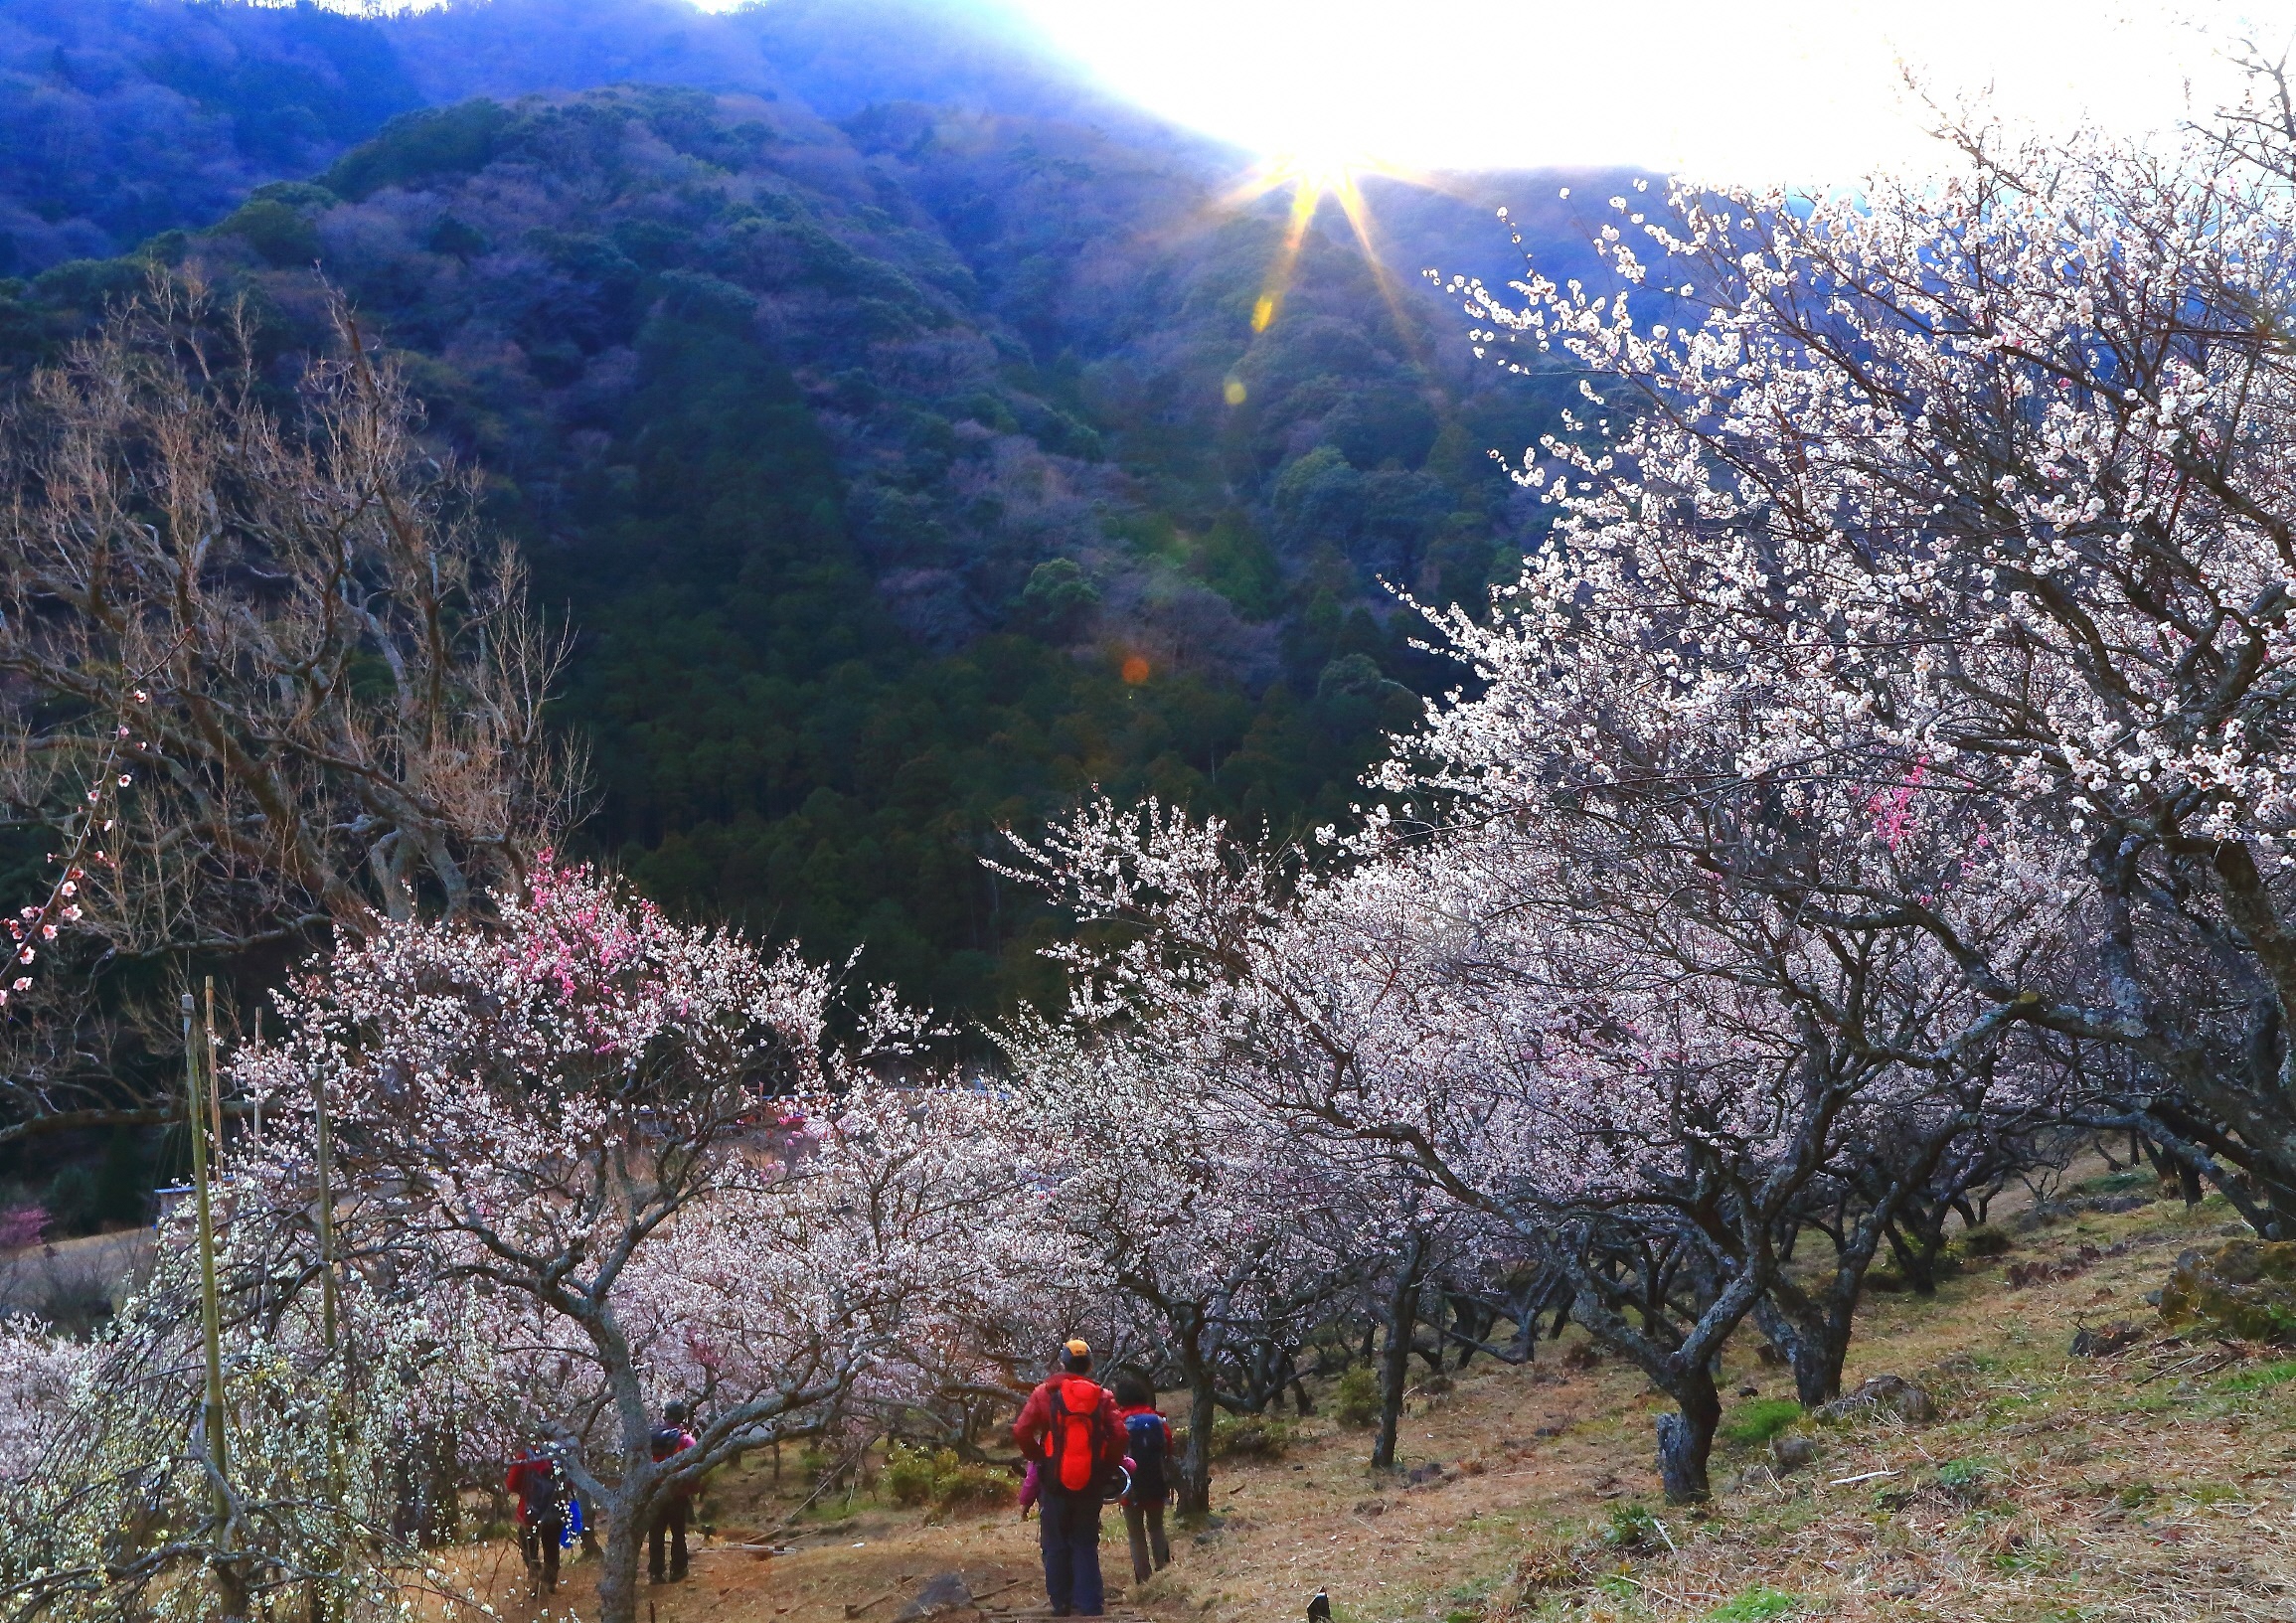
(1686, 1438)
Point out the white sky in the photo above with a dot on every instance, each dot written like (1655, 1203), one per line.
(1801, 90)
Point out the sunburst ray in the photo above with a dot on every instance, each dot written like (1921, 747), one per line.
(1311, 178)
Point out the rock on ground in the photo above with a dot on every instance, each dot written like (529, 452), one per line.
(1791, 1452)
(1891, 1393)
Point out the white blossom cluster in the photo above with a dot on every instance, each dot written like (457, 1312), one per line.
(42, 1379)
(1937, 583)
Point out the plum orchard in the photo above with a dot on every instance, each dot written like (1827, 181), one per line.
(1887, 767)
(1890, 752)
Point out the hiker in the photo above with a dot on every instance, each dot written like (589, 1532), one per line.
(670, 1438)
(1070, 1425)
(1148, 1443)
(539, 1481)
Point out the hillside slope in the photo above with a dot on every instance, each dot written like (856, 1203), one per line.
(905, 477)
(2152, 1484)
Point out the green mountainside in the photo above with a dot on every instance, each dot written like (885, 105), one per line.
(900, 476)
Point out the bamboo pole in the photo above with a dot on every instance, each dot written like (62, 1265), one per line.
(211, 1314)
(215, 1086)
(326, 1180)
(324, 1602)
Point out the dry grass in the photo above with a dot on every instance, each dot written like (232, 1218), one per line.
(2155, 1484)
(63, 1278)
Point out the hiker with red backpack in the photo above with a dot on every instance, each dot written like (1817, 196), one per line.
(1071, 1426)
(670, 1438)
(539, 1480)
(1148, 1445)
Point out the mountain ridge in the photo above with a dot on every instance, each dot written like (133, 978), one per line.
(906, 473)
(213, 97)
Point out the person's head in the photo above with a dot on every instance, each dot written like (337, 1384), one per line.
(675, 1413)
(1076, 1358)
(1133, 1392)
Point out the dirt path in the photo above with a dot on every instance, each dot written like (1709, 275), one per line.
(2157, 1484)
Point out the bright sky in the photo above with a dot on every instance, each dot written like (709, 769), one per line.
(1801, 90)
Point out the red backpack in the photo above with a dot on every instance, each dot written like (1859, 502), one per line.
(1068, 1442)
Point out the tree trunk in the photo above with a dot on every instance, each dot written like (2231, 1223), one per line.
(1395, 1364)
(1815, 1334)
(1817, 1379)
(1681, 1366)
(1817, 1364)
(1686, 1440)
(1916, 1260)
(624, 1543)
(1473, 1321)
(231, 1573)
(1287, 1378)
(1264, 1371)
(1195, 1485)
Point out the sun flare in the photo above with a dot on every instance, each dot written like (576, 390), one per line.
(1310, 177)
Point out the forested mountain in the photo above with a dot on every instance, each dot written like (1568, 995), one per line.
(119, 118)
(891, 425)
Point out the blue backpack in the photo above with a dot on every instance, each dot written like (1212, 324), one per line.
(1144, 1438)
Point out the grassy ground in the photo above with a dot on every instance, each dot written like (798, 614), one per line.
(2156, 1483)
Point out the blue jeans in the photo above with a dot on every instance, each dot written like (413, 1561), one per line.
(1071, 1526)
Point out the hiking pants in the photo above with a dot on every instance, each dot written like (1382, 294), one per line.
(1070, 1526)
(1145, 1523)
(538, 1541)
(670, 1520)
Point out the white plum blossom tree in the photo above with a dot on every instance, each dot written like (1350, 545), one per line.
(1197, 1210)
(637, 1158)
(41, 1373)
(1965, 507)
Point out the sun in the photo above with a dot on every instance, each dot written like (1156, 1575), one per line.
(1318, 173)
(1312, 175)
